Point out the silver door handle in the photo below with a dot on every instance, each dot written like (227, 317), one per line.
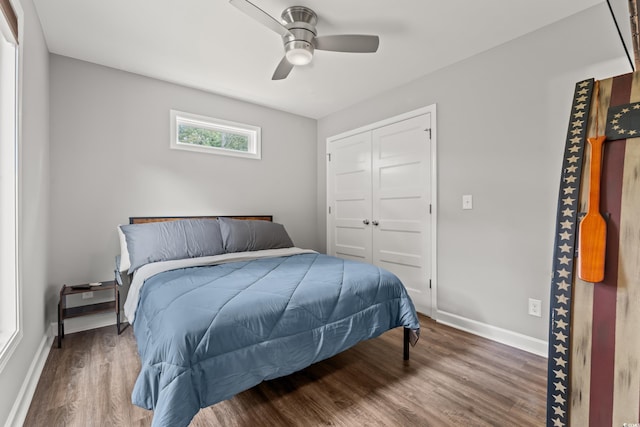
(365, 221)
(374, 222)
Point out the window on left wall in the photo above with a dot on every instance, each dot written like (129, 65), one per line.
(10, 332)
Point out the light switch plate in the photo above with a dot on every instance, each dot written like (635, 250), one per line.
(467, 201)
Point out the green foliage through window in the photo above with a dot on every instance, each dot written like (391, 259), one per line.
(192, 132)
(212, 138)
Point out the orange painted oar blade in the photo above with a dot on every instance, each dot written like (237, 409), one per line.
(592, 248)
(593, 228)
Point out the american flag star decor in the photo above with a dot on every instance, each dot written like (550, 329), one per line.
(594, 339)
(623, 122)
(564, 249)
(605, 316)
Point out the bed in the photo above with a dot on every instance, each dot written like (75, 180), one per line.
(220, 304)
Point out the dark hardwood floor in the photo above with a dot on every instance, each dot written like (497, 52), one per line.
(452, 379)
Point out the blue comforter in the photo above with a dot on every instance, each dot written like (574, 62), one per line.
(207, 333)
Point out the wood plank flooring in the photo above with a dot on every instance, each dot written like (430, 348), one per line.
(452, 379)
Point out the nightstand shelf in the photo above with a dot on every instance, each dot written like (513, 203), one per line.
(65, 312)
(83, 310)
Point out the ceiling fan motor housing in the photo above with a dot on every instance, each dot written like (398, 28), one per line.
(298, 31)
(298, 44)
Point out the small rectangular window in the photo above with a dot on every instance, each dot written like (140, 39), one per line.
(215, 136)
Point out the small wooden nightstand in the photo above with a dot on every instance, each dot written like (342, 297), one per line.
(84, 310)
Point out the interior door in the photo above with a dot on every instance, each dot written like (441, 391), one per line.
(401, 196)
(349, 189)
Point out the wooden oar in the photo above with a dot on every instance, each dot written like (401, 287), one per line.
(593, 228)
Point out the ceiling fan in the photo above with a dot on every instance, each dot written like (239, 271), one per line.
(299, 35)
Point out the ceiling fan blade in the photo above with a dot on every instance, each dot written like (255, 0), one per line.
(282, 70)
(355, 43)
(260, 15)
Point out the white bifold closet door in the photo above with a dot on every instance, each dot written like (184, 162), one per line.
(380, 195)
(350, 180)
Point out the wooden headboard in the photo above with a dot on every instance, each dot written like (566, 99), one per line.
(146, 219)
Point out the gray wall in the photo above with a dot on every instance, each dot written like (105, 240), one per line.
(110, 159)
(502, 117)
(34, 214)
(502, 121)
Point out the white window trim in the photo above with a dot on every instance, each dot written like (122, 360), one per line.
(9, 340)
(252, 132)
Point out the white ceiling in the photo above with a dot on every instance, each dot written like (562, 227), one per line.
(211, 45)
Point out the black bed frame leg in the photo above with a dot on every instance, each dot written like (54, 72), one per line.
(407, 332)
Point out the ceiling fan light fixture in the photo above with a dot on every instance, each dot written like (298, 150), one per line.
(299, 52)
(298, 31)
(299, 56)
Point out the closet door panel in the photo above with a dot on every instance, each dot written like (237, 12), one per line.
(350, 197)
(401, 196)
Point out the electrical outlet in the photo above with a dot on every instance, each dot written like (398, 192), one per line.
(535, 307)
(467, 201)
(87, 295)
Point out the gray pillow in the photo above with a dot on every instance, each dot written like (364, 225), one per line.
(164, 241)
(249, 235)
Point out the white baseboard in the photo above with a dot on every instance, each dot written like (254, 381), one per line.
(25, 395)
(504, 336)
(423, 309)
